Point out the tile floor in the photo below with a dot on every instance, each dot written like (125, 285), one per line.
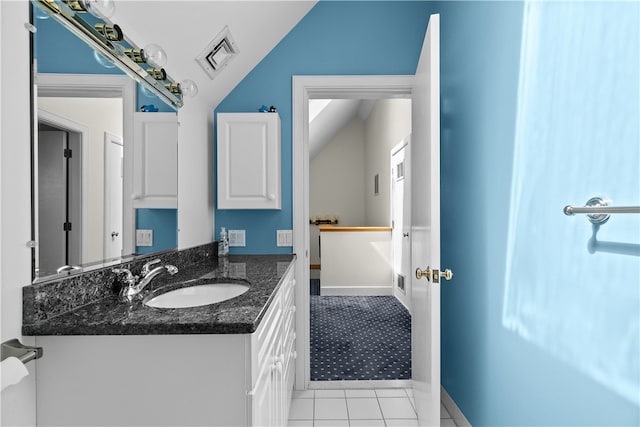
(357, 408)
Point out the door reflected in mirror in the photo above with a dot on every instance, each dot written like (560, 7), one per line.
(80, 165)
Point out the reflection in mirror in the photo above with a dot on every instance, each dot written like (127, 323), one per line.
(93, 185)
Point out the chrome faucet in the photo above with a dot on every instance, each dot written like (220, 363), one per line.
(131, 289)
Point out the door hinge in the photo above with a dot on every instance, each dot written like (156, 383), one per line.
(66, 226)
(68, 153)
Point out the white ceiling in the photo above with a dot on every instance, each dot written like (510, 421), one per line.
(184, 28)
(328, 116)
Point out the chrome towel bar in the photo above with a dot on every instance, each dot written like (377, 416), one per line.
(26, 353)
(598, 211)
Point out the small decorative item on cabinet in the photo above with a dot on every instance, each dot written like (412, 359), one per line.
(318, 220)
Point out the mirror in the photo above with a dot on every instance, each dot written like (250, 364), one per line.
(101, 169)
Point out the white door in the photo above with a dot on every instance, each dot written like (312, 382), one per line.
(113, 180)
(401, 221)
(52, 198)
(425, 228)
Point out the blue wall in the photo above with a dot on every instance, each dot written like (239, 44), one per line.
(540, 110)
(537, 328)
(333, 38)
(164, 223)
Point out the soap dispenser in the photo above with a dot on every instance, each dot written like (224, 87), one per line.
(223, 244)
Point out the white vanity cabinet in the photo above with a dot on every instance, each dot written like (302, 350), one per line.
(248, 161)
(155, 168)
(172, 380)
(273, 362)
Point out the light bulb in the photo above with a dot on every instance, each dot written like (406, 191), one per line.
(100, 8)
(155, 55)
(189, 88)
(102, 60)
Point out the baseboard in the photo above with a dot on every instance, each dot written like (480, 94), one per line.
(451, 407)
(358, 384)
(355, 290)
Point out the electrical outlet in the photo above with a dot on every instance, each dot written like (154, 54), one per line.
(144, 237)
(237, 238)
(284, 238)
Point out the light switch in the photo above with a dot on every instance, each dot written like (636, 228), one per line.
(284, 238)
(144, 237)
(237, 238)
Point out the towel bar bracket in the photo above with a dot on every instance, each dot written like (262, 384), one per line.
(598, 210)
(26, 353)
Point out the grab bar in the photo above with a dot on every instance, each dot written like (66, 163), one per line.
(26, 353)
(598, 210)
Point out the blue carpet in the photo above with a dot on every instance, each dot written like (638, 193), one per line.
(359, 338)
(314, 286)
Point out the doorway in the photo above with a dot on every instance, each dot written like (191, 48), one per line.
(60, 195)
(323, 87)
(360, 328)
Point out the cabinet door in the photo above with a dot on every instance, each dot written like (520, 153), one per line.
(248, 153)
(155, 165)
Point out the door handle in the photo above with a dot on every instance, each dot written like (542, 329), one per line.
(433, 275)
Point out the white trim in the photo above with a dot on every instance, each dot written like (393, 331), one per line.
(356, 290)
(359, 384)
(451, 407)
(305, 88)
(103, 86)
(64, 123)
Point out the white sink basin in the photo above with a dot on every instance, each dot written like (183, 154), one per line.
(196, 296)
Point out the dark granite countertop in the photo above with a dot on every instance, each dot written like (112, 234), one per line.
(239, 315)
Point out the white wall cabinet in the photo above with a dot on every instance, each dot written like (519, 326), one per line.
(172, 380)
(155, 165)
(248, 166)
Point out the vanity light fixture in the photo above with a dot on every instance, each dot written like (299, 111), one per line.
(152, 54)
(111, 32)
(157, 73)
(109, 41)
(186, 87)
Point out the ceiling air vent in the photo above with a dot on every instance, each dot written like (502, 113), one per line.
(218, 53)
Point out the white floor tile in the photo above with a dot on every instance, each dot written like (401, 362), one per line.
(396, 408)
(447, 422)
(321, 394)
(443, 412)
(300, 423)
(301, 409)
(331, 423)
(401, 423)
(391, 392)
(367, 423)
(331, 409)
(364, 409)
(360, 393)
(303, 394)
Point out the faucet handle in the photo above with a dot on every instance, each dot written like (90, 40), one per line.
(129, 278)
(147, 267)
(171, 269)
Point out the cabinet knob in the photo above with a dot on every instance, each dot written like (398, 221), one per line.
(272, 196)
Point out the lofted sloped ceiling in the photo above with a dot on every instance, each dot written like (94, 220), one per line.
(184, 28)
(328, 116)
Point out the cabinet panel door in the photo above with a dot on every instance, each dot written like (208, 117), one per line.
(248, 161)
(155, 151)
